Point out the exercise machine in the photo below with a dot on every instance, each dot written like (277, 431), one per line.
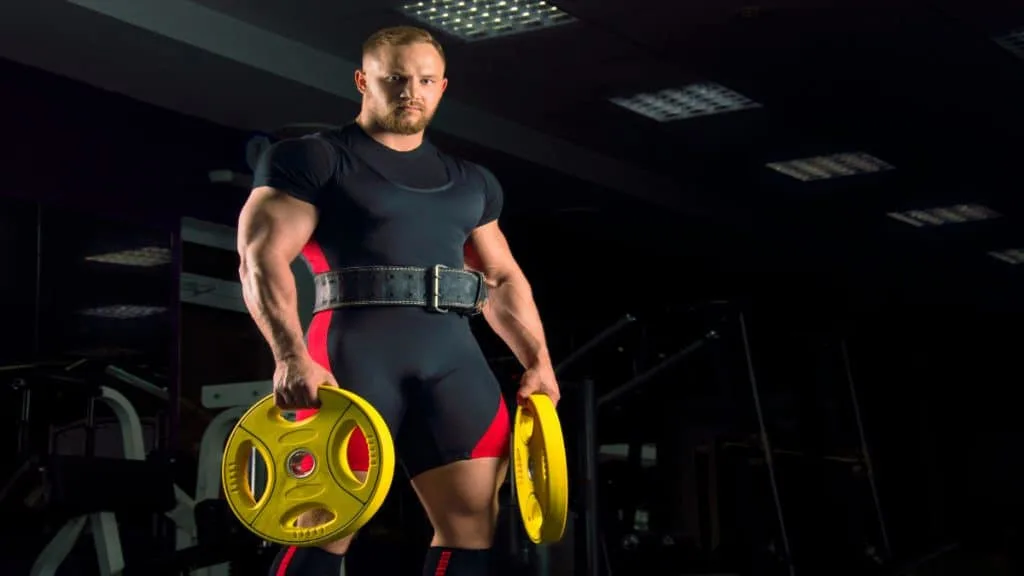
(102, 525)
(233, 400)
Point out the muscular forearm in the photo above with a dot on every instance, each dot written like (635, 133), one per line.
(512, 314)
(268, 287)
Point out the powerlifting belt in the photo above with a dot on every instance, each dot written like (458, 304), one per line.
(437, 288)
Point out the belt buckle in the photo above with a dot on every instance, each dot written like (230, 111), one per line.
(434, 290)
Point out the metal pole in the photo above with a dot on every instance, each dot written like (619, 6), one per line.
(650, 374)
(171, 442)
(765, 443)
(594, 342)
(24, 418)
(588, 481)
(38, 304)
(865, 453)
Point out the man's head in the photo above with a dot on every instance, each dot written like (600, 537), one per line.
(401, 80)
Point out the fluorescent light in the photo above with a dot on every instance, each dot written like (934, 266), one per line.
(123, 312)
(691, 101)
(944, 215)
(1013, 256)
(473, 20)
(828, 167)
(151, 256)
(1013, 42)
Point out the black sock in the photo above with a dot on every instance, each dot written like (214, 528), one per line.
(295, 561)
(442, 561)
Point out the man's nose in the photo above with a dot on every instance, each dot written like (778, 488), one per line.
(408, 90)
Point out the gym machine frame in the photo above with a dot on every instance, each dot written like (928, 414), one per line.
(234, 398)
(587, 524)
(103, 525)
(765, 446)
(590, 550)
(589, 407)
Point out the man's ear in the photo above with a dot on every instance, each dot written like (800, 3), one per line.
(360, 78)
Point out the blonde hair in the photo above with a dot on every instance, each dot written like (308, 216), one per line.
(401, 36)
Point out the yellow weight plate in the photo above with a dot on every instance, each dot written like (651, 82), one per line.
(541, 474)
(308, 469)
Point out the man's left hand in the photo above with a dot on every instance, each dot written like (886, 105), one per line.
(539, 380)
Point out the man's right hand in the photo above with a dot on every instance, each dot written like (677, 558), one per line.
(297, 381)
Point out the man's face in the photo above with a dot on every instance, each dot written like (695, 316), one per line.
(402, 87)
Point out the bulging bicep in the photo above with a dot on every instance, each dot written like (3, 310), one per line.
(274, 225)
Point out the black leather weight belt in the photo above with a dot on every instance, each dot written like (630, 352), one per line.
(438, 288)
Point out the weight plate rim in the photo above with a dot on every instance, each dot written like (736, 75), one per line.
(532, 530)
(387, 460)
(258, 405)
(553, 437)
(544, 409)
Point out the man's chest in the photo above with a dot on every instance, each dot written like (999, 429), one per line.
(367, 200)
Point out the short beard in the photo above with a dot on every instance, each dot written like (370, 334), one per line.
(394, 123)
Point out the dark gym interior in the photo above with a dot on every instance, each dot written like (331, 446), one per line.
(786, 313)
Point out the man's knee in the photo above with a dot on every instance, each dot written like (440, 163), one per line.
(339, 547)
(470, 529)
(295, 561)
(475, 506)
(461, 502)
(319, 517)
(464, 525)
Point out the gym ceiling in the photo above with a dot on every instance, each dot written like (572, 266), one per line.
(921, 101)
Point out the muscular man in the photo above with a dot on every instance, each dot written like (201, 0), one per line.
(375, 209)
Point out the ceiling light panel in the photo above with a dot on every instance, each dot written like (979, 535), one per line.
(1013, 256)
(691, 101)
(151, 256)
(829, 167)
(945, 215)
(474, 20)
(1013, 42)
(123, 312)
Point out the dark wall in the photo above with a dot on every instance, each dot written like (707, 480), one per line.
(86, 149)
(935, 390)
(17, 279)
